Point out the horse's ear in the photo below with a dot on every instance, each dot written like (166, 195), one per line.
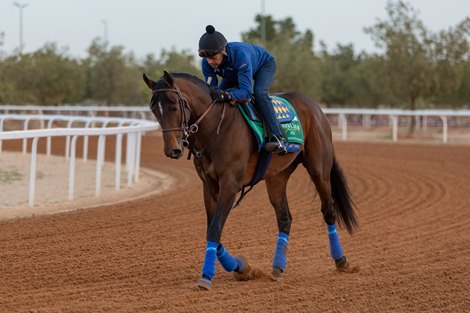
(168, 78)
(150, 83)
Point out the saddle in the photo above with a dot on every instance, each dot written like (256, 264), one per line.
(290, 126)
(287, 117)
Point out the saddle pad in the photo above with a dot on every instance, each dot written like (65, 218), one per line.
(287, 117)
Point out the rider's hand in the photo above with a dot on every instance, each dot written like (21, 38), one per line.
(234, 102)
(219, 95)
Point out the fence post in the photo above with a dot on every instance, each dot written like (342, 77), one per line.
(444, 128)
(137, 156)
(117, 165)
(99, 158)
(32, 171)
(394, 128)
(72, 167)
(344, 126)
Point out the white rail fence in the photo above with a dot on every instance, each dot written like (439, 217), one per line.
(131, 128)
(85, 121)
(122, 111)
(392, 115)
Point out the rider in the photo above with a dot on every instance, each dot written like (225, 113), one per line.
(238, 64)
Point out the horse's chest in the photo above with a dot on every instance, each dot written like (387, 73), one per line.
(211, 172)
(208, 169)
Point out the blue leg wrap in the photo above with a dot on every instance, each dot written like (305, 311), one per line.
(228, 262)
(280, 257)
(209, 262)
(335, 246)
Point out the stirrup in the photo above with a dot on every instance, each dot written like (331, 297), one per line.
(276, 145)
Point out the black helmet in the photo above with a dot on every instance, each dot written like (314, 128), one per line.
(211, 43)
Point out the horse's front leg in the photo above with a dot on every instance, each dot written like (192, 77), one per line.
(217, 213)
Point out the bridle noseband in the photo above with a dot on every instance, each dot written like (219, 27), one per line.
(187, 130)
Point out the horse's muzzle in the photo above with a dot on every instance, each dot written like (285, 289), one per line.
(175, 153)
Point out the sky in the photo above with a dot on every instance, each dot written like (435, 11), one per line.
(148, 26)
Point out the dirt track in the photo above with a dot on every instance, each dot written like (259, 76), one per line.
(413, 246)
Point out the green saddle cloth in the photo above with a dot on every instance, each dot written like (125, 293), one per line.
(287, 118)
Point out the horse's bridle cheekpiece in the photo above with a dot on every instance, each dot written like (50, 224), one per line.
(187, 129)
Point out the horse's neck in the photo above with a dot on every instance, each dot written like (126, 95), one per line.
(220, 117)
(214, 126)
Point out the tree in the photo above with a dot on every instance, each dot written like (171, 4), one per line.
(296, 62)
(369, 82)
(405, 39)
(464, 90)
(171, 61)
(337, 68)
(449, 57)
(406, 43)
(112, 76)
(45, 77)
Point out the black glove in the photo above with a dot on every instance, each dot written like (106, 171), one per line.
(219, 95)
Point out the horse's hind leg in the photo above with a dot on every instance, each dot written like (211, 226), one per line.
(320, 171)
(276, 186)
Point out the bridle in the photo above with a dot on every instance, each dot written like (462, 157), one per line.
(187, 130)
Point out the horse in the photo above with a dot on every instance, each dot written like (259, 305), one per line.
(225, 158)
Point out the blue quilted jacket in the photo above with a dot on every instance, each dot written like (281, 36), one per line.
(240, 65)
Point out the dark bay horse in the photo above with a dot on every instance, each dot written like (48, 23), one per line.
(225, 157)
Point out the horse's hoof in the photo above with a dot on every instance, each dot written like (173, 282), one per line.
(244, 270)
(343, 265)
(204, 284)
(277, 274)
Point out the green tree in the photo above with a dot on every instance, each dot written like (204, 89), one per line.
(182, 62)
(45, 77)
(171, 61)
(112, 76)
(449, 57)
(405, 40)
(370, 83)
(255, 34)
(464, 90)
(337, 70)
(297, 68)
(406, 43)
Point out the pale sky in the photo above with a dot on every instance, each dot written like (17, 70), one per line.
(148, 26)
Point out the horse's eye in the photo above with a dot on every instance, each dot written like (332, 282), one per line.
(173, 108)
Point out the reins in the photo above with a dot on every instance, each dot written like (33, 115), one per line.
(188, 130)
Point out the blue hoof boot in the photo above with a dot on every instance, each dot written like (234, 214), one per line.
(204, 284)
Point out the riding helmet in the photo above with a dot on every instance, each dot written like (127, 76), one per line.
(212, 40)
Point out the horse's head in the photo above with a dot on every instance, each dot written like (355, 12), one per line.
(172, 112)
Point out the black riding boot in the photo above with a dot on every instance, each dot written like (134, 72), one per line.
(276, 144)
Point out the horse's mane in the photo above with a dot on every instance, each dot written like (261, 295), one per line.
(189, 77)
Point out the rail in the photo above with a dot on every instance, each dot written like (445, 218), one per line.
(132, 128)
(421, 117)
(393, 115)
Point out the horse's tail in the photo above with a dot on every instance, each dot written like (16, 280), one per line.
(342, 198)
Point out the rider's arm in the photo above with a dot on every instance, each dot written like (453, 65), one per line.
(245, 77)
(209, 74)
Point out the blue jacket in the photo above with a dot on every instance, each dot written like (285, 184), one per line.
(239, 67)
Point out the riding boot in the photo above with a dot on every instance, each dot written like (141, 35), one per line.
(276, 144)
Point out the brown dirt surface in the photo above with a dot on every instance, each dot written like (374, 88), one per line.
(146, 255)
